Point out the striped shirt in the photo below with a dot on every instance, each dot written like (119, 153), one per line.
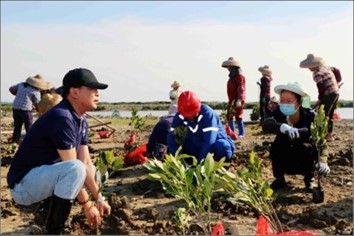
(26, 97)
(326, 82)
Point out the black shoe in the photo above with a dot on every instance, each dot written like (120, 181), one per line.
(278, 184)
(309, 185)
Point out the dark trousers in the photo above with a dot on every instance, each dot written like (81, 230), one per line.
(330, 104)
(292, 157)
(263, 111)
(21, 117)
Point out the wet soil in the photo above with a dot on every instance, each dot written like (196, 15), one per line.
(140, 206)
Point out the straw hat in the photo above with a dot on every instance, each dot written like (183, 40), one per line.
(38, 82)
(230, 62)
(312, 61)
(265, 70)
(176, 84)
(49, 86)
(48, 101)
(293, 87)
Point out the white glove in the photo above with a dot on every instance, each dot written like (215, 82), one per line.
(291, 131)
(238, 103)
(322, 168)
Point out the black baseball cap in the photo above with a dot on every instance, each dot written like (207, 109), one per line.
(82, 77)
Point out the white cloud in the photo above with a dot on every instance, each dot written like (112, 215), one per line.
(139, 59)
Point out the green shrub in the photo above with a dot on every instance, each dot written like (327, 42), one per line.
(194, 184)
(254, 116)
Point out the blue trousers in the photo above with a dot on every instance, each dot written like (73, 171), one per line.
(63, 179)
(221, 148)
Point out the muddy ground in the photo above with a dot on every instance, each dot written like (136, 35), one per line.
(141, 207)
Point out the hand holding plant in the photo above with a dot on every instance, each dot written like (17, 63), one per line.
(180, 133)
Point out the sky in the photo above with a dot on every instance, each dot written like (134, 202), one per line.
(140, 47)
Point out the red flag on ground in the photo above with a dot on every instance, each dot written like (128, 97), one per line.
(218, 230)
(128, 144)
(137, 156)
(263, 228)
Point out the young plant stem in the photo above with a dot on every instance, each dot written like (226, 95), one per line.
(201, 220)
(280, 227)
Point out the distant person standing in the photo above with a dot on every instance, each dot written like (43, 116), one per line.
(264, 96)
(27, 96)
(327, 85)
(174, 94)
(236, 92)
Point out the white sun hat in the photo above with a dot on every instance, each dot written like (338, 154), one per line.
(295, 88)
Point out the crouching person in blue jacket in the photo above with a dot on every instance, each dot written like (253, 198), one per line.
(205, 134)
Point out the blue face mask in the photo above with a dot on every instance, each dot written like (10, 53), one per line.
(287, 109)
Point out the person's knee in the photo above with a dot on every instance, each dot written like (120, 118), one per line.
(77, 170)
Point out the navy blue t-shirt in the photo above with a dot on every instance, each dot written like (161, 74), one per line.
(59, 128)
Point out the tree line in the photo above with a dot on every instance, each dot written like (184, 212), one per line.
(163, 105)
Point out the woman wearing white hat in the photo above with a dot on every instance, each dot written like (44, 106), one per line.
(327, 85)
(293, 152)
(272, 104)
(28, 95)
(236, 92)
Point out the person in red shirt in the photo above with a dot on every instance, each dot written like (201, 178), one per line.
(264, 96)
(236, 92)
